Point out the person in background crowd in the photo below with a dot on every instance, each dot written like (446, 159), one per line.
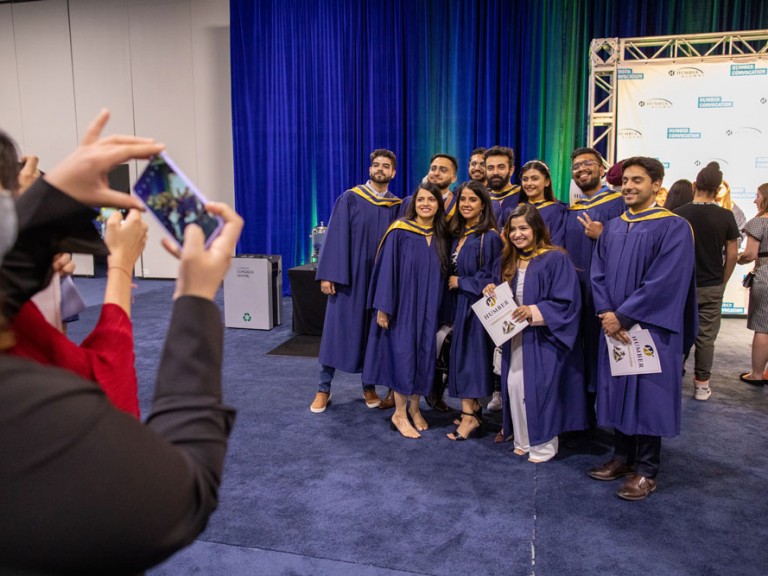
(680, 194)
(757, 317)
(714, 233)
(359, 219)
(643, 274)
(406, 291)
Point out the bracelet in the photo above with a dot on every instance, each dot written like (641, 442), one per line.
(123, 270)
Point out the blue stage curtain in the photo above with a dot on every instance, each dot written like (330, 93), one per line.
(318, 84)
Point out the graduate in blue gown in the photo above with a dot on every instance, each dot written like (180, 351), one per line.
(536, 190)
(643, 273)
(476, 247)
(542, 396)
(359, 219)
(405, 293)
(583, 224)
(499, 168)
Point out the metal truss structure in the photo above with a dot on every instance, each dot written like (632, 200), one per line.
(607, 55)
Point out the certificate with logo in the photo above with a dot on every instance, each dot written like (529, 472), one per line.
(495, 312)
(640, 356)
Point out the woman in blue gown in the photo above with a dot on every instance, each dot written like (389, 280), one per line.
(541, 398)
(475, 249)
(536, 189)
(405, 292)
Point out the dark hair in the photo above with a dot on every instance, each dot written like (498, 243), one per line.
(544, 169)
(440, 226)
(653, 167)
(587, 150)
(709, 178)
(449, 157)
(509, 254)
(681, 192)
(501, 151)
(386, 153)
(487, 220)
(480, 150)
(9, 163)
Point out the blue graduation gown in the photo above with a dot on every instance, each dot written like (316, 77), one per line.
(646, 273)
(503, 202)
(555, 396)
(553, 214)
(602, 207)
(407, 285)
(470, 371)
(354, 232)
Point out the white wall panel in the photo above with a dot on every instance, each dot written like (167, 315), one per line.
(44, 62)
(213, 99)
(161, 66)
(10, 104)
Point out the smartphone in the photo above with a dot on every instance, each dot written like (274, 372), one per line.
(174, 200)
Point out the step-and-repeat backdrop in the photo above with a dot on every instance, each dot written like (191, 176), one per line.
(687, 115)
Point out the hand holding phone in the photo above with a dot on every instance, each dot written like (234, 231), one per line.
(174, 200)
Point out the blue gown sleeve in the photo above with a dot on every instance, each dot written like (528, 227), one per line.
(653, 302)
(383, 287)
(561, 305)
(335, 260)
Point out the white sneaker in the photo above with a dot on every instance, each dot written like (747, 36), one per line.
(702, 392)
(495, 404)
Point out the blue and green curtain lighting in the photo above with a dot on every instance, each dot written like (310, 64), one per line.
(318, 84)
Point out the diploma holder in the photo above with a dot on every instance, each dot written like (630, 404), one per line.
(495, 313)
(640, 356)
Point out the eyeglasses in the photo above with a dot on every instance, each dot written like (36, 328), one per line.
(584, 164)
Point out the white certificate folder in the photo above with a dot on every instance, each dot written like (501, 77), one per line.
(640, 356)
(495, 313)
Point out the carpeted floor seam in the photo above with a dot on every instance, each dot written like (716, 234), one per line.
(325, 558)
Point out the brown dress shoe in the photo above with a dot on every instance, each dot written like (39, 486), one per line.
(388, 401)
(637, 487)
(611, 470)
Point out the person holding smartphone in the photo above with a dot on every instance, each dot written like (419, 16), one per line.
(118, 496)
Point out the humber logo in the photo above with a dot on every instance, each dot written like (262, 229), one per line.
(687, 72)
(718, 160)
(655, 103)
(630, 134)
(743, 131)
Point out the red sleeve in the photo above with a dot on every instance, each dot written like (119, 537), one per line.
(105, 357)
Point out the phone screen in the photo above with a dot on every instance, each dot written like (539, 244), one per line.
(174, 200)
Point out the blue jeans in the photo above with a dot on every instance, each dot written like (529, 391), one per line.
(326, 376)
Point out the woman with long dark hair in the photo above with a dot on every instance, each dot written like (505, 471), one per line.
(541, 398)
(475, 249)
(405, 293)
(536, 190)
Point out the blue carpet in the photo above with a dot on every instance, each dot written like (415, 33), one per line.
(339, 493)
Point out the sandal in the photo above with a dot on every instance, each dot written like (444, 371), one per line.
(751, 381)
(474, 433)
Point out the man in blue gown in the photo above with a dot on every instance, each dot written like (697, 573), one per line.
(359, 219)
(499, 167)
(582, 227)
(643, 274)
(476, 167)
